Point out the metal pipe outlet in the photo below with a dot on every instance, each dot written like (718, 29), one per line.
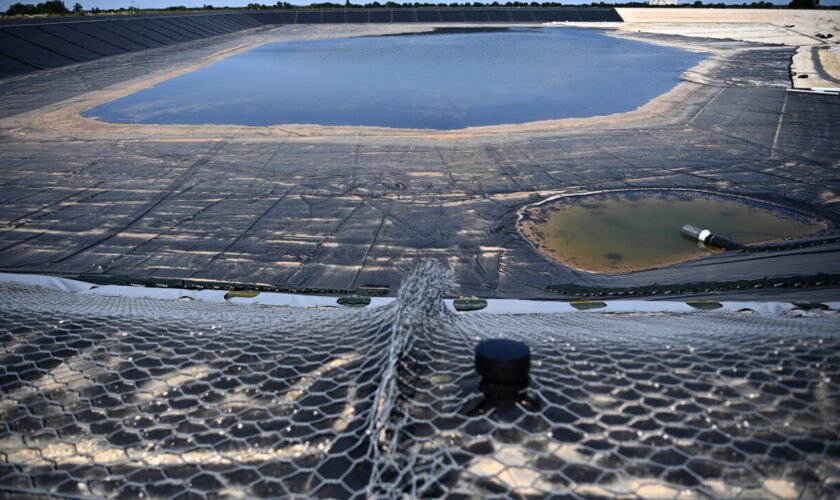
(706, 236)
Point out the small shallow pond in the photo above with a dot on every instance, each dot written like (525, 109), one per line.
(631, 231)
(434, 81)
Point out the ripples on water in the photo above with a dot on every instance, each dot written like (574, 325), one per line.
(436, 81)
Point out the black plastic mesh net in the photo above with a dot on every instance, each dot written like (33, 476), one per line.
(122, 397)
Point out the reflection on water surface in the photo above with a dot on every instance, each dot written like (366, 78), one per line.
(630, 231)
(437, 81)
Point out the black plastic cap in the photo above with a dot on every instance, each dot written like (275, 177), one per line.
(503, 365)
(722, 243)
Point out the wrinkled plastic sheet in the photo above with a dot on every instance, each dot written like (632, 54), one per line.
(28, 45)
(339, 215)
(35, 44)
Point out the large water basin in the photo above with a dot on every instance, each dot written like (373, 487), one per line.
(631, 231)
(438, 81)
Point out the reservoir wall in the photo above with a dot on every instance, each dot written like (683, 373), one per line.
(33, 44)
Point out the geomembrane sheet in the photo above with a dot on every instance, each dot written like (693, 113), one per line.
(29, 44)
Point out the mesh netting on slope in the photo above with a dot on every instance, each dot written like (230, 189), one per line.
(109, 396)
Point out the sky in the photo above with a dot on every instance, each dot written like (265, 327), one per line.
(150, 4)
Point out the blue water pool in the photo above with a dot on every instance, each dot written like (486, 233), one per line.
(436, 81)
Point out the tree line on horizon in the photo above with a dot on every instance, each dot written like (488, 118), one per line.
(58, 7)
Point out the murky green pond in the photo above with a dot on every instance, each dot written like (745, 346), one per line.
(631, 231)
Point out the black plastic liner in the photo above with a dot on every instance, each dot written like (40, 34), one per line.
(28, 45)
(343, 214)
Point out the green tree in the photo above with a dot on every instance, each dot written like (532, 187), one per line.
(20, 9)
(52, 7)
(804, 4)
(77, 8)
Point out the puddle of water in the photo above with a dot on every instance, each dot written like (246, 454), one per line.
(623, 232)
(437, 81)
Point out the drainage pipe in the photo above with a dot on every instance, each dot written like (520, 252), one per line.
(706, 236)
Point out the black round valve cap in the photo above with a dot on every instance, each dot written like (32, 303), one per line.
(503, 361)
